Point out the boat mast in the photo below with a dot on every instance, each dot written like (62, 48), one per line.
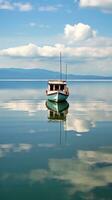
(66, 72)
(60, 67)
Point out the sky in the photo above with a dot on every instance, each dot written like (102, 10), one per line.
(33, 33)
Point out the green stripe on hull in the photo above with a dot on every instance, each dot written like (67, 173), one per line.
(57, 97)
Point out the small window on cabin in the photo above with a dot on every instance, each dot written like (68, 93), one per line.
(62, 87)
(51, 87)
(56, 87)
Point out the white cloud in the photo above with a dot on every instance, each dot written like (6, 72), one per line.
(49, 8)
(101, 4)
(23, 6)
(81, 173)
(80, 45)
(83, 116)
(32, 24)
(29, 50)
(22, 147)
(8, 5)
(78, 32)
(7, 148)
(24, 106)
(26, 94)
(41, 26)
(78, 125)
(92, 157)
(32, 50)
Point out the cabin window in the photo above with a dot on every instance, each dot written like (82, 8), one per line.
(51, 87)
(56, 87)
(62, 87)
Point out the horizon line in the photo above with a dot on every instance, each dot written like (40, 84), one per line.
(45, 80)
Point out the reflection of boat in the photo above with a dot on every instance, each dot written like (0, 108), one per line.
(57, 111)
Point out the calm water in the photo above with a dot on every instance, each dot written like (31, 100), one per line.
(55, 152)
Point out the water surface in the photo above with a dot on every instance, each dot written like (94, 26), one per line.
(55, 152)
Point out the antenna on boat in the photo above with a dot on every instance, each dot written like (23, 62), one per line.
(60, 67)
(66, 72)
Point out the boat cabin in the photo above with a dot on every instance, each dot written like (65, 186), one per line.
(57, 85)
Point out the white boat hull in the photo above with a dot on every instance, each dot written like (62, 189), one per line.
(57, 96)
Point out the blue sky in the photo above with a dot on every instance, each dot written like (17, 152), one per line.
(32, 33)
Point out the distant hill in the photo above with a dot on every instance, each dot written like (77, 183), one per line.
(16, 73)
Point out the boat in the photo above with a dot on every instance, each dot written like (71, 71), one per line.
(57, 111)
(57, 89)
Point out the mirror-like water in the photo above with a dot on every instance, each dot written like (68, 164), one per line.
(55, 151)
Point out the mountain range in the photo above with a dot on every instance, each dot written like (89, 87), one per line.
(16, 73)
